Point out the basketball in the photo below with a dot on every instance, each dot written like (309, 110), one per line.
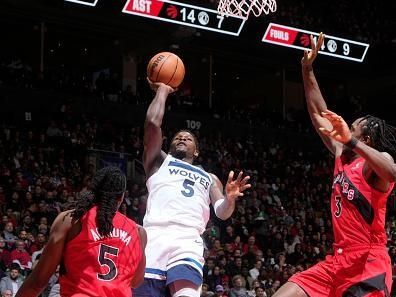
(167, 68)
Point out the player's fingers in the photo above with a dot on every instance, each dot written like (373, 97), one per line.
(305, 55)
(239, 177)
(331, 117)
(324, 131)
(230, 176)
(245, 179)
(320, 40)
(240, 194)
(328, 111)
(247, 186)
(172, 90)
(313, 45)
(338, 137)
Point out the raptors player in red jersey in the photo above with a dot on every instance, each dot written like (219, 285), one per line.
(364, 176)
(101, 252)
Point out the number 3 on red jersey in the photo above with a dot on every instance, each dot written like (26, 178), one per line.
(104, 251)
(338, 211)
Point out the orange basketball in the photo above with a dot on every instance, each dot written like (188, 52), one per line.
(167, 68)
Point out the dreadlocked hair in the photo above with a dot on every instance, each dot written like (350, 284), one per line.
(107, 186)
(382, 135)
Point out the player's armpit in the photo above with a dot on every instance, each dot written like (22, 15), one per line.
(380, 164)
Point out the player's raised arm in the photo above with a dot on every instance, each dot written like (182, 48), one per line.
(315, 102)
(152, 155)
(51, 257)
(224, 205)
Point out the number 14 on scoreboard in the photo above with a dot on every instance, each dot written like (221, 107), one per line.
(180, 13)
(185, 14)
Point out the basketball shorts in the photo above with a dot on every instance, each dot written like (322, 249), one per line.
(172, 253)
(356, 271)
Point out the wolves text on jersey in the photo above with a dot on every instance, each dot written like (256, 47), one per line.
(190, 172)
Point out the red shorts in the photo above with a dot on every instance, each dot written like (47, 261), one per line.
(357, 271)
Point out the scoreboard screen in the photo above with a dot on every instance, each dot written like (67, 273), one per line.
(185, 14)
(300, 39)
(180, 13)
(209, 19)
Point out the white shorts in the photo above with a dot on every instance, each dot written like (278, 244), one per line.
(171, 246)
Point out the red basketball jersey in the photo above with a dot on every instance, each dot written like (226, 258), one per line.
(97, 266)
(358, 210)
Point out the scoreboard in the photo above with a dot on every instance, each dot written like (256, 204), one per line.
(300, 39)
(209, 19)
(185, 14)
(180, 13)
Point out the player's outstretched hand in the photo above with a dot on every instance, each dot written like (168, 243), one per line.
(310, 56)
(235, 188)
(156, 85)
(341, 131)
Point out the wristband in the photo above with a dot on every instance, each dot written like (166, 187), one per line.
(217, 204)
(352, 143)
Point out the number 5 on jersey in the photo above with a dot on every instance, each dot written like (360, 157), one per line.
(188, 188)
(104, 260)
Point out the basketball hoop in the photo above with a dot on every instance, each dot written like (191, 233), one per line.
(243, 8)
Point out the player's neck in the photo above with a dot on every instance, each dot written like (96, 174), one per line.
(183, 157)
(187, 160)
(349, 156)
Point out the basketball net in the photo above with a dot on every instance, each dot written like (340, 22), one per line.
(243, 8)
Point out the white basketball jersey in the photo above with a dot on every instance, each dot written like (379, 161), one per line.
(178, 193)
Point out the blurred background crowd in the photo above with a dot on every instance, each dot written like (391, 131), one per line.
(74, 112)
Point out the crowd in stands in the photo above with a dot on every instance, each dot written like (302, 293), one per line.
(281, 226)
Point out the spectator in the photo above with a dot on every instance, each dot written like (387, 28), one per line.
(238, 289)
(250, 245)
(255, 284)
(219, 291)
(6, 293)
(205, 291)
(215, 278)
(235, 267)
(55, 291)
(275, 286)
(260, 292)
(255, 272)
(8, 234)
(12, 282)
(21, 255)
(27, 225)
(5, 255)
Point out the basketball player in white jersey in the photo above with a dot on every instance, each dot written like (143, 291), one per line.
(178, 207)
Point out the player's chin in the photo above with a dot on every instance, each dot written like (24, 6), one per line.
(179, 153)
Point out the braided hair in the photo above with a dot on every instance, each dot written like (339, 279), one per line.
(107, 186)
(382, 135)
